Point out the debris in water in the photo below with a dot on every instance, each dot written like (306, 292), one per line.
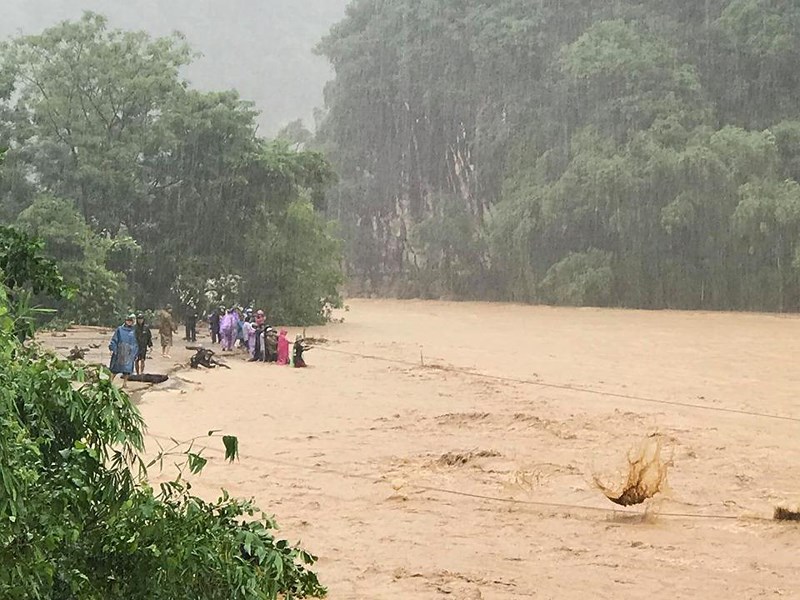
(784, 514)
(77, 353)
(646, 477)
(457, 459)
(148, 378)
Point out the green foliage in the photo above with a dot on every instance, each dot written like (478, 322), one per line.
(197, 550)
(27, 273)
(23, 265)
(295, 270)
(78, 519)
(83, 259)
(168, 182)
(632, 153)
(450, 251)
(583, 279)
(86, 99)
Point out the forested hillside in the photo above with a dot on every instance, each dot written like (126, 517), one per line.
(148, 191)
(263, 48)
(635, 153)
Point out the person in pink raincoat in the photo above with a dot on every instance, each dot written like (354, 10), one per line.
(283, 348)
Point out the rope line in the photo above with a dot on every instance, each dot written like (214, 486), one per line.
(446, 491)
(542, 384)
(571, 388)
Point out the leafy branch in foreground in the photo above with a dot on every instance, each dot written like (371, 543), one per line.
(78, 519)
(194, 459)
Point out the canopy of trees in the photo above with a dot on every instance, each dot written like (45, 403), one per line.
(633, 153)
(147, 191)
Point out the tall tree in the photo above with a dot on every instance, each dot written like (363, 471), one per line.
(101, 119)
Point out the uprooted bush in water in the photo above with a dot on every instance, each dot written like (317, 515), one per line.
(784, 514)
(646, 475)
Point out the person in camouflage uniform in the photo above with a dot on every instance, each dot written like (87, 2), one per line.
(166, 328)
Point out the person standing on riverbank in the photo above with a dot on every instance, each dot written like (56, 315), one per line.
(123, 350)
(191, 325)
(166, 328)
(249, 337)
(214, 319)
(144, 340)
(227, 328)
(283, 348)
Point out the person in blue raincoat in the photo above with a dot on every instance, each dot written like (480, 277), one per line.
(124, 349)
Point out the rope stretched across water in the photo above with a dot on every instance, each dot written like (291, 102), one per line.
(561, 386)
(533, 503)
(521, 381)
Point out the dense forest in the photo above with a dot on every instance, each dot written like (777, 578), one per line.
(629, 153)
(634, 153)
(148, 191)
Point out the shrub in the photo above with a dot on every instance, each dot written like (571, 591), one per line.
(580, 279)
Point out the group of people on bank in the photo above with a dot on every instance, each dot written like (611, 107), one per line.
(236, 328)
(231, 328)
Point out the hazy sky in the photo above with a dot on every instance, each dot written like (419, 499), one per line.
(260, 47)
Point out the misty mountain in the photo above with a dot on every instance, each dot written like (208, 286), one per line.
(262, 48)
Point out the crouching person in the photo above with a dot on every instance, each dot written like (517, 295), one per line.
(297, 355)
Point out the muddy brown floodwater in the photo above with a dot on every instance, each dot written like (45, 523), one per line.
(352, 454)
